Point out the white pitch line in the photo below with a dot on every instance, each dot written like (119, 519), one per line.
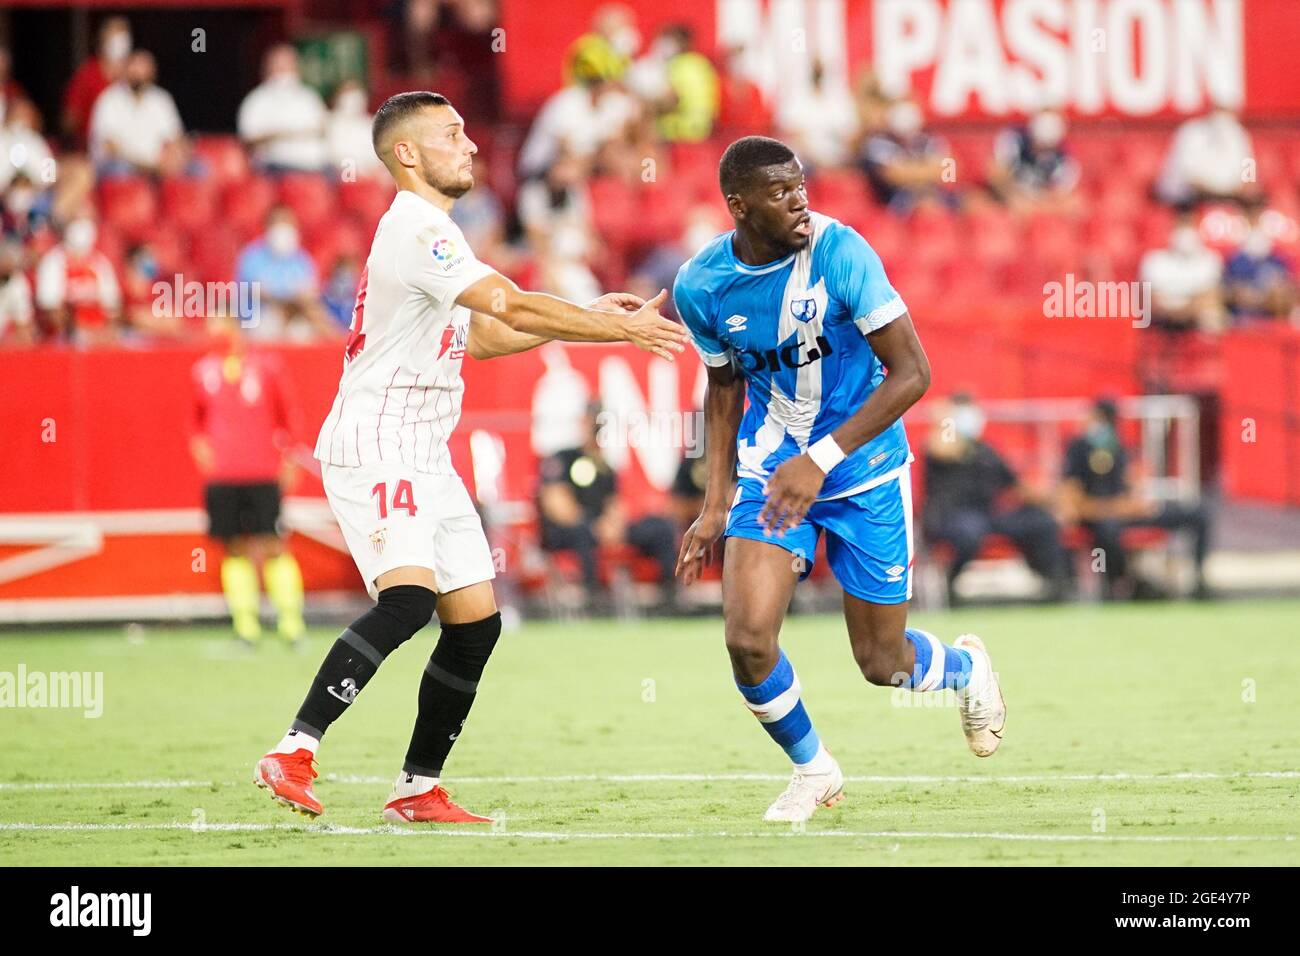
(333, 830)
(677, 778)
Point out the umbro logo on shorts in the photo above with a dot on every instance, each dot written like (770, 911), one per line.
(895, 573)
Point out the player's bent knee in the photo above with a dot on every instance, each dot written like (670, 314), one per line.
(405, 608)
(752, 648)
(880, 670)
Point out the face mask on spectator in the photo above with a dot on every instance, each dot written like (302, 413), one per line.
(80, 236)
(20, 200)
(117, 47)
(968, 422)
(1257, 244)
(626, 40)
(1047, 129)
(1185, 241)
(352, 103)
(905, 119)
(568, 244)
(282, 238)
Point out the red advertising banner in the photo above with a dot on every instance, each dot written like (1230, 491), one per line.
(100, 502)
(967, 59)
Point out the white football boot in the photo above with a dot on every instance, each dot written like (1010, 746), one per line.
(983, 710)
(806, 792)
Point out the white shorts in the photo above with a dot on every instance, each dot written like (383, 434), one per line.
(425, 521)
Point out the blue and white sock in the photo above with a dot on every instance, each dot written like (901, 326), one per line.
(776, 704)
(938, 666)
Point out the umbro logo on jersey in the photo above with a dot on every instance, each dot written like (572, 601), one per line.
(737, 323)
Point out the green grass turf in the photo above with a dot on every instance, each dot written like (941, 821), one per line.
(1150, 690)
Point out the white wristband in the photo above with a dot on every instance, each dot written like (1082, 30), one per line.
(826, 453)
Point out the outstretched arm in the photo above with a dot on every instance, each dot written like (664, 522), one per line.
(546, 316)
(795, 484)
(492, 338)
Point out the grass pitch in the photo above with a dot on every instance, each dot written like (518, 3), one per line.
(1157, 734)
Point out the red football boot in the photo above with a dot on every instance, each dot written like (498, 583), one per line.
(432, 806)
(289, 777)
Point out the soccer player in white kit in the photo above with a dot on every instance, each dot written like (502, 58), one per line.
(423, 302)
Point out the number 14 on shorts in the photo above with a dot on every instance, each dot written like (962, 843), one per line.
(403, 498)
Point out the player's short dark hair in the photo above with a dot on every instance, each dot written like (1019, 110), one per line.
(747, 156)
(398, 108)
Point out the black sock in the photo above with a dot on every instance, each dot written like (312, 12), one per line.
(447, 691)
(357, 654)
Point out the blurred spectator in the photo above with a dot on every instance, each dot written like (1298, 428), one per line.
(468, 51)
(412, 39)
(906, 164)
(871, 103)
(27, 208)
(144, 311)
(971, 493)
(689, 485)
(742, 109)
(17, 316)
(579, 118)
(482, 218)
(347, 134)
(339, 294)
(1097, 494)
(556, 217)
(33, 188)
(1208, 160)
(1032, 172)
(580, 511)
(679, 84)
(557, 203)
(134, 127)
(93, 77)
(76, 288)
(23, 149)
(287, 289)
(1184, 281)
(608, 46)
(10, 91)
(282, 120)
(820, 121)
(1257, 280)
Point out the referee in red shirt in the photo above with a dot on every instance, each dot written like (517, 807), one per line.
(243, 428)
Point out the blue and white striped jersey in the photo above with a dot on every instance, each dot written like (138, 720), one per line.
(796, 329)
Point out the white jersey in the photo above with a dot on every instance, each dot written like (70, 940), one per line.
(400, 394)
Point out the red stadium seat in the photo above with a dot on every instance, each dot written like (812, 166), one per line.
(333, 238)
(310, 196)
(367, 199)
(214, 255)
(224, 156)
(244, 206)
(994, 235)
(190, 203)
(171, 250)
(128, 203)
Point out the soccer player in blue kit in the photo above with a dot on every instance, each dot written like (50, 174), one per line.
(794, 309)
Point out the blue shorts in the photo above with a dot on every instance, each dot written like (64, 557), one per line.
(868, 536)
